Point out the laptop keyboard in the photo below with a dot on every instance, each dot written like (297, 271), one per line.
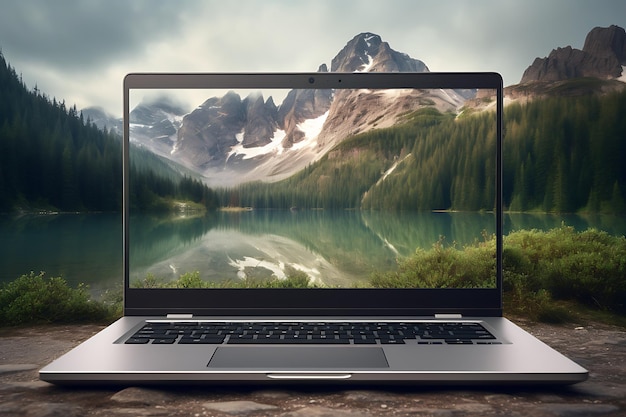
(422, 333)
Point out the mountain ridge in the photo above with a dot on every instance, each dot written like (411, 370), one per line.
(233, 139)
(254, 138)
(602, 56)
(599, 68)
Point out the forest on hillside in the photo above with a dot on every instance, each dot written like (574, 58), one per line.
(51, 158)
(566, 154)
(559, 154)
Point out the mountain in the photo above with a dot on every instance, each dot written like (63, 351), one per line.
(598, 67)
(233, 139)
(368, 53)
(103, 120)
(155, 124)
(603, 56)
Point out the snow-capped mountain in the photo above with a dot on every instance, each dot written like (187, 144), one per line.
(155, 125)
(367, 52)
(233, 139)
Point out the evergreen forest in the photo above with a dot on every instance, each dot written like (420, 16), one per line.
(52, 159)
(560, 154)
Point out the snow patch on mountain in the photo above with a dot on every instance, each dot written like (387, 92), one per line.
(367, 65)
(393, 168)
(311, 129)
(622, 77)
(273, 151)
(274, 147)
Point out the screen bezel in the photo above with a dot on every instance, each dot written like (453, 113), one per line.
(306, 302)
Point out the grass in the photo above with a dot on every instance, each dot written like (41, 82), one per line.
(555, 276)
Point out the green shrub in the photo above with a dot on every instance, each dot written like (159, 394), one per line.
(540, 268)
(294, 279)
(588, 267)
(37, 299)
(443, 267)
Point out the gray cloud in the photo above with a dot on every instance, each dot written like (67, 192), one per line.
(76, 35)
(80, 50)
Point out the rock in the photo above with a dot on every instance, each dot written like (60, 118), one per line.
(260, 120)
(575, 410)
(435, 412)
(273, 394)
(53, 410)
(474, 408)
(238, 407)
(136, 412)
(567, 63)
(609, 41)
(600, 390)
(369, 396)
(141, 396)
(602, 57)
(31, 385)
(5, 369)
(325, 412)
(10, 409)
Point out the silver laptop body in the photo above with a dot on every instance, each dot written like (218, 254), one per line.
(246, 252)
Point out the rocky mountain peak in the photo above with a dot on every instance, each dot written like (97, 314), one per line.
(602, 57)
(607, 42)
(368, 52)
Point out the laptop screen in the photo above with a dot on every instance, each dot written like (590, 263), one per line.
(317, 188)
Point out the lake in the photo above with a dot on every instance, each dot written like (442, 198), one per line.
(332, 247)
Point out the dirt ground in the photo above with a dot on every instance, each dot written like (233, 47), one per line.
(600, 348)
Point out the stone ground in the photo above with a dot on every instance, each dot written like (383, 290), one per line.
(600, 348)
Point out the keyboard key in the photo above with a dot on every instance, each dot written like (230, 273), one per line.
(200, 340)
(138, 341)
(297, 341)
(392, 341)
(459, 342)
(163, 341)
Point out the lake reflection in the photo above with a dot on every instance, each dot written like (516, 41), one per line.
(335, 248)
(340, 247)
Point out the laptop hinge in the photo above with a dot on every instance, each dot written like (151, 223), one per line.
(448, 316)
(180, 316)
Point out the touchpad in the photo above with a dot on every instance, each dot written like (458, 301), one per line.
(300, 357)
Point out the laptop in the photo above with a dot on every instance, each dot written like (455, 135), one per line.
(313, 227)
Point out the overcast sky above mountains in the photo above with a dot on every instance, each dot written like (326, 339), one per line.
(79, 51)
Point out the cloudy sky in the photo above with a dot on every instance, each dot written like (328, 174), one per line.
(79, 50)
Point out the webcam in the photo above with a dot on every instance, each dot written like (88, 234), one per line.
(311, 80)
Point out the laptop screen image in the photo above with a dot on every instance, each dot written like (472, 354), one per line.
(358, 188)
(312, 188)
